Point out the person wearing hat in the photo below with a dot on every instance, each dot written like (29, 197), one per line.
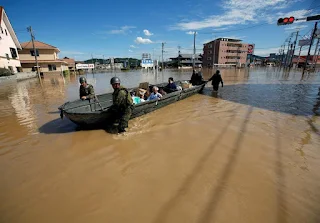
(86, 90)
(122, 104)
(216, 79)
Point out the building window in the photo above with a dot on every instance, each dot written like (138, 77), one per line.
(14, 54)
(210, 51)
(32, 52)
(6, 32)
(210, 45)
(209, 58)
(7, 55)
(52, 67)
(1, 29)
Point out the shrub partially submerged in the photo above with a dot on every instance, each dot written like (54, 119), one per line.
(5, 72)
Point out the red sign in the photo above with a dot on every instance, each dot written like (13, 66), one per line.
(250, 48)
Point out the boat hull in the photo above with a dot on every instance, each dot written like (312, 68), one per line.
(91, 114)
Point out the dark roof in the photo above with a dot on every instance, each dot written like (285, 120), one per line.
(190, 61)
(188, 56)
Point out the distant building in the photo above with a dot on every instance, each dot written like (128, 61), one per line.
(225, 51)
(47, 57)
(71, 63)
(300, 61)
(146, 61)
(9, 44)
(186, 60)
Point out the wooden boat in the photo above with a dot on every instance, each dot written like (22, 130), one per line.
(95, 112)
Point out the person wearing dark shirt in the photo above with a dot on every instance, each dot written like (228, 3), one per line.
(171, 85)
(196, 78)
(216, 79)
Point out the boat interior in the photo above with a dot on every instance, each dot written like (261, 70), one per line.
(102, 102)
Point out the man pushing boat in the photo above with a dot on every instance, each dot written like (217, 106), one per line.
(122, 104)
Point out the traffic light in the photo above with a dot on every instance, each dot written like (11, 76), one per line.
(285, 21)
(316, 17)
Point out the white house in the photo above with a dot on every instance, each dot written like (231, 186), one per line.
(9, 44)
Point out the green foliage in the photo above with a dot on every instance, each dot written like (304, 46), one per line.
(5, 72)
(66, 73)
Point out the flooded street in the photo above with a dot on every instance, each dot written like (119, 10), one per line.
(250, 153)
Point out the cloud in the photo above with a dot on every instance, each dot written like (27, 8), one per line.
(240, 12)
(122, 30)
(296, 14)
(266, 52)
(147, 32)
(130, 51)
(141, 40)
(190, 33)
(133, 46)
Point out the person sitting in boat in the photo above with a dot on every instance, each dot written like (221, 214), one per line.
(196, 78)
(155, 94)
(162, 92)
(122, 104)
(141, 94)
(86, 90)
(171, 84)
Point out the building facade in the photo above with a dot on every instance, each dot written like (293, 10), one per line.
(186, 60)
(225, 51)
(71, 63)
(9, 44)
(47, 57)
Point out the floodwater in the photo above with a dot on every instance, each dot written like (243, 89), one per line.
(250, 153)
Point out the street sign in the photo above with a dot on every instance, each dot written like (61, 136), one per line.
(304, 42)
(250, 48)
(84, 66)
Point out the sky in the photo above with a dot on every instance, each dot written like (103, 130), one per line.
(85, 29)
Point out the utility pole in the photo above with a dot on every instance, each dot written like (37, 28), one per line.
(214, 53)
(294, 48)
(34, 50)
(162, 55)
(290, 56)
(286, 58)
(311, 42)
(315, 54)
(281, 56)
(92, 62)
(179, 48)
(194, 49)
(299, 56)
(317, 58)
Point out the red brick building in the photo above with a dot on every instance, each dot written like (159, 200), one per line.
(225, 51)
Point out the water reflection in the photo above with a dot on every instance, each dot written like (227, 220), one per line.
(248, 153)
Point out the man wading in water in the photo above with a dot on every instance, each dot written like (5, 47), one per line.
(122, 104)
(216, 79)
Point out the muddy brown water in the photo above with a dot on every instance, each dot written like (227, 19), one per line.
(250, 153)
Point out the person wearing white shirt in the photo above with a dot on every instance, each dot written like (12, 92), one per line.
(155, 94)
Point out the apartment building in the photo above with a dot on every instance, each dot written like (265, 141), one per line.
(225, 51)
